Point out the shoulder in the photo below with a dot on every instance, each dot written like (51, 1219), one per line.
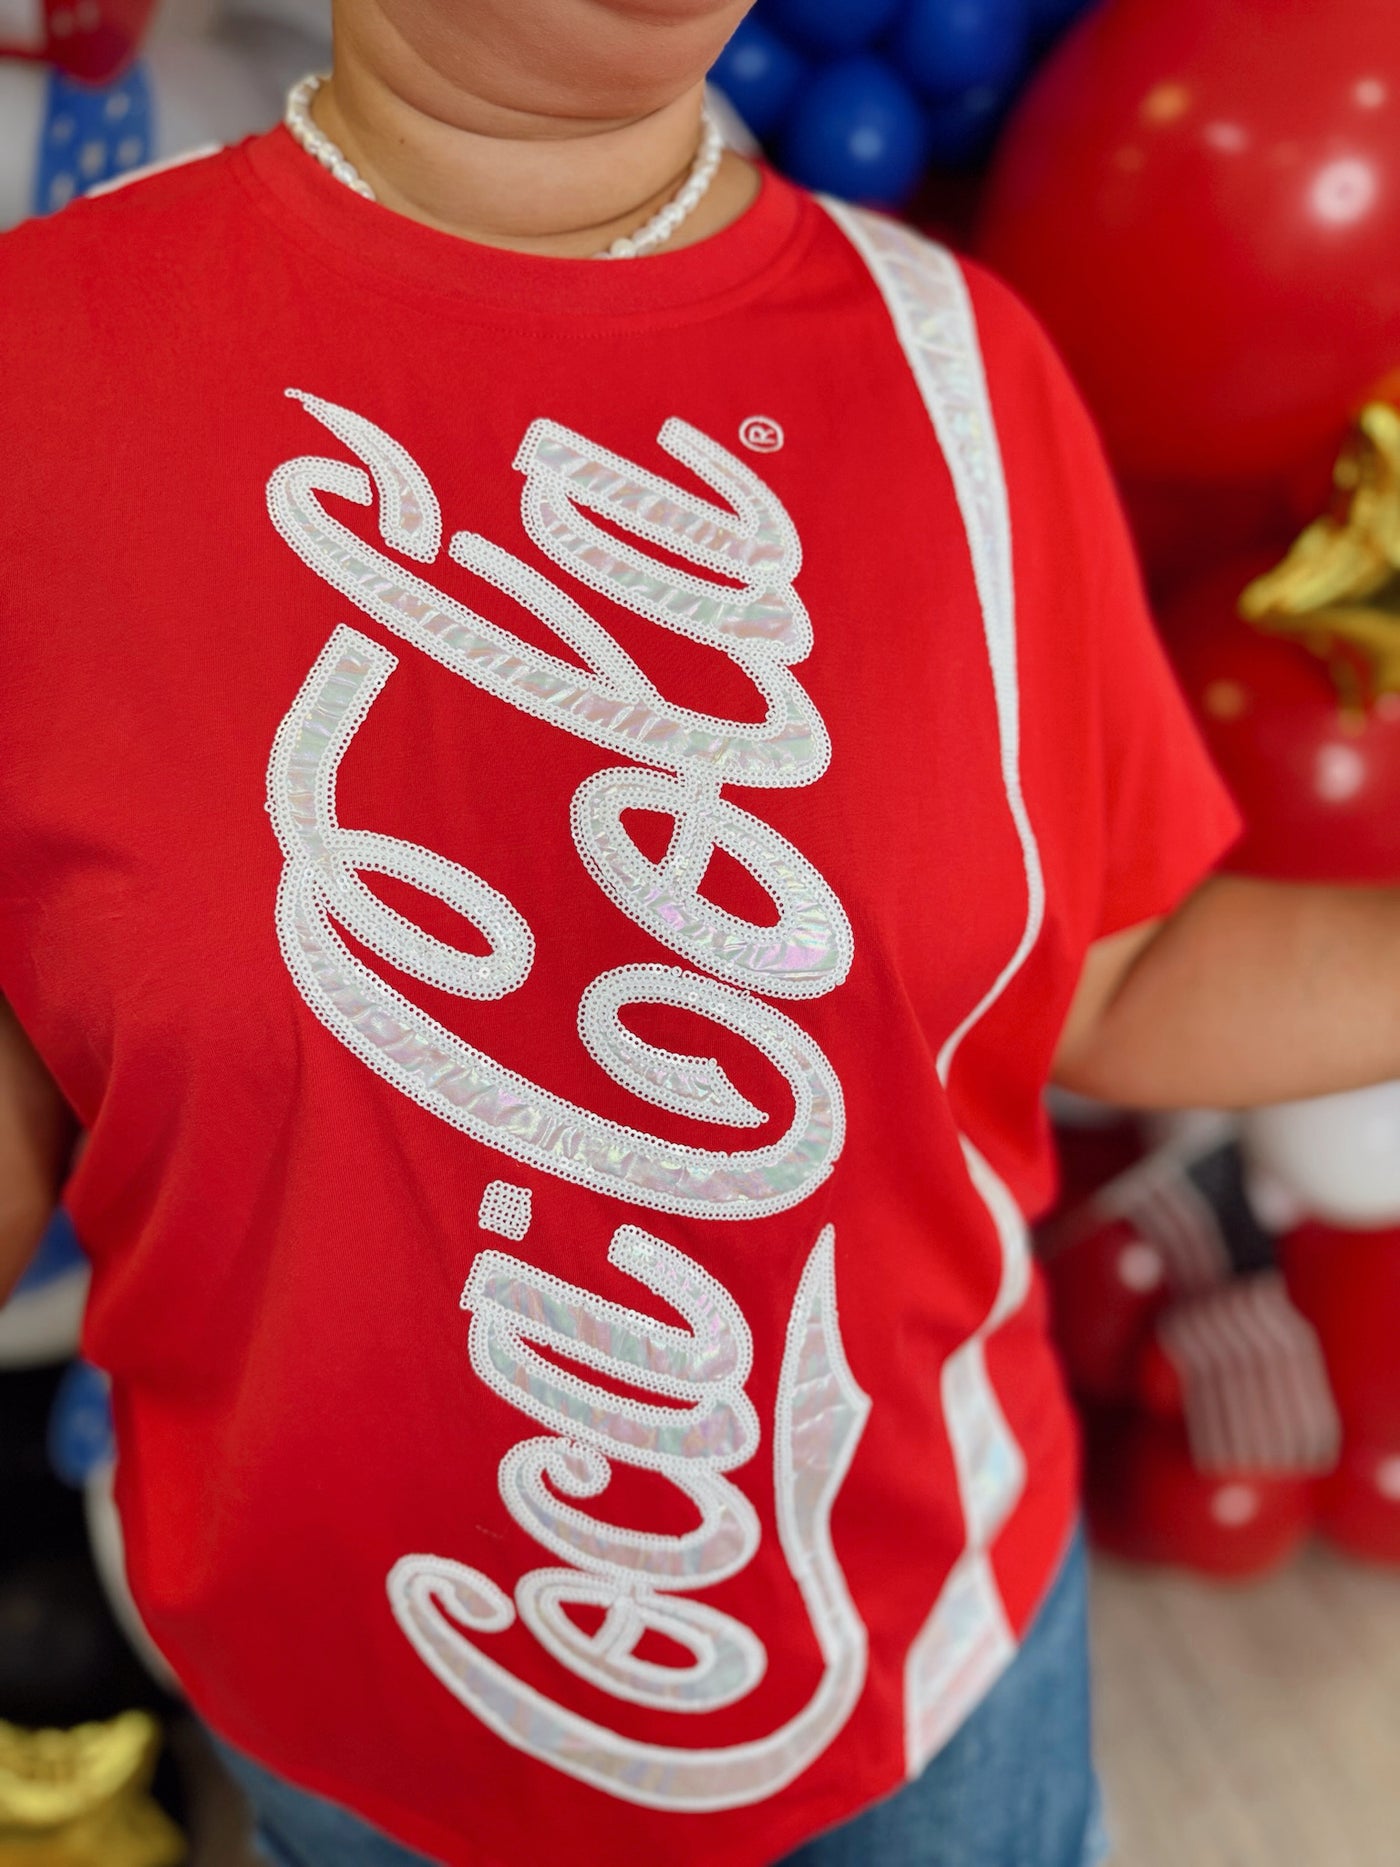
(911, 265)
(939, 299)
(1028, 378)
(116, 237)
(957, 319)
(94, 289)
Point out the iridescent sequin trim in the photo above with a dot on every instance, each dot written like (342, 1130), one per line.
(448, 1611)
(966, 1638)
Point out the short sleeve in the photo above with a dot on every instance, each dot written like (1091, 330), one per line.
(1133, 814)
(1168, 815)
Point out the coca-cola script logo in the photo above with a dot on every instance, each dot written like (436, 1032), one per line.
(703, 1425)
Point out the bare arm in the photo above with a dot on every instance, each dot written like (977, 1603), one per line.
(1252, 992)
(36, 1140)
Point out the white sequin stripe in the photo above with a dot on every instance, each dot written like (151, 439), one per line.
(750, 621)
(611, 704)
(932, 315)
(805, 953)
(960, 1652)
(409, 516)
(715, 1427)
(450, 1077)
(788, 747)
(444, 1606)
(966, 1640)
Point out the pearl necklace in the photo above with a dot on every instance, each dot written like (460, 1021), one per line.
(658, 229)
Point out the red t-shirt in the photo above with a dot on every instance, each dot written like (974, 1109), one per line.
(550, 814)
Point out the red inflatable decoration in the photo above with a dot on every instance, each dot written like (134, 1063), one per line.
(1202, 200)
(88, 39)
(1147, 1502)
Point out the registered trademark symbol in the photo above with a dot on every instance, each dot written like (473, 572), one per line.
(762, 434)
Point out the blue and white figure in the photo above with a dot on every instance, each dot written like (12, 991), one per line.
(60, 139)
(80, 1441)
(40, 1323)
(91, 136)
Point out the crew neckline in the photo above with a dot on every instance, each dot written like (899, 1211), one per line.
(371, 238)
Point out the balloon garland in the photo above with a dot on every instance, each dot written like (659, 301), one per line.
(861, 98)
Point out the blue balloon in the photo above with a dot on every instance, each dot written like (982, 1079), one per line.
(961, 130)
(857, 131)
(80, 1425)
(1052, 16)
(831, 25)
(947, 47)
(760, 74)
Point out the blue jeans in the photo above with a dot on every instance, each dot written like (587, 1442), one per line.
(1015, 1787)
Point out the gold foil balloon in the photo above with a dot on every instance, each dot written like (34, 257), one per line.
(81, 1798)
(1338, 589)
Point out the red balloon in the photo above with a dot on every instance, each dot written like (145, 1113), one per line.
(1202, 200)
(1317, 783)
(1182, 530)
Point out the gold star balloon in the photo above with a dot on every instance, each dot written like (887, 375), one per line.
(1338, 589)
(81, 1798)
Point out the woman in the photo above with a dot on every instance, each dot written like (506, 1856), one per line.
(484, 501)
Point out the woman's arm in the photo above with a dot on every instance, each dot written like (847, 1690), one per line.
(1252, 992)
(37, 1131)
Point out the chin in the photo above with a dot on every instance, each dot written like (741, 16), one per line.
(584, 59)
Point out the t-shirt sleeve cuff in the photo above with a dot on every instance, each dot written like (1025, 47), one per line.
(1158, 885)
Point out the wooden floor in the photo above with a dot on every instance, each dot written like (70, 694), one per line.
(1254, 1726)
(1251, 1726)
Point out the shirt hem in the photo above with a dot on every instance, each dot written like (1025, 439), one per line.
(446, 1849)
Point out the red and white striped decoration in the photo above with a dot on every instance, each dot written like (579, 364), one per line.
(1257, 1396)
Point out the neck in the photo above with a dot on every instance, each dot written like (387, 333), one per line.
(485, 171)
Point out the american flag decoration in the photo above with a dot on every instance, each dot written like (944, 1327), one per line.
(1257, 1397)
(1254, 1385)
